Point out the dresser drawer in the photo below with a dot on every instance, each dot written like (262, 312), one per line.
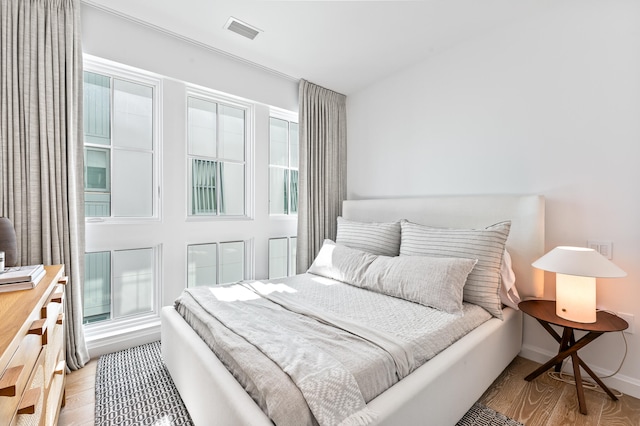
(15, 377)
(32, 404)
(54, 312)
(55, 391)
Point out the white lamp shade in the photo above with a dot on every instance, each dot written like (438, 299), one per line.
(576, 270)
(579, 261)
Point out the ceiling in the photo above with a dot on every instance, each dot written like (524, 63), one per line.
(341, 45)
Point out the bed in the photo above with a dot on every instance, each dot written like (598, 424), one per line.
(442, 389)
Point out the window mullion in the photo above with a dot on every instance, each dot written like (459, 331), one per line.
(111, 166)
(288, 180)
(217, 190)
(218, 263)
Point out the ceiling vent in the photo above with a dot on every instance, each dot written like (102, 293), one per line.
(242, 28)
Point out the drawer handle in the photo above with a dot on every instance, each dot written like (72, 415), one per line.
(9, 380)
(63, 280)
(60, 319)
(38, 327)
(29, 401)
(60, 367)
(57, 297)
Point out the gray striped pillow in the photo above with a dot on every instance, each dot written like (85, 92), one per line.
(486, 245)
(382, 238)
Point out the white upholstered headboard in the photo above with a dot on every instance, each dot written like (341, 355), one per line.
(526, 212)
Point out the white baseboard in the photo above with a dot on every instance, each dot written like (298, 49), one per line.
(625, 384)
(107, 343)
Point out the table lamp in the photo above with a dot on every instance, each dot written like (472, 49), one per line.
(576, 271)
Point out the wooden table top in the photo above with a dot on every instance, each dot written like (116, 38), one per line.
(545, 310)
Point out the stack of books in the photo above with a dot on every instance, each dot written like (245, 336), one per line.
(21, 277)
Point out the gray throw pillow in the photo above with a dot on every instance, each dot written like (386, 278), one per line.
(433, 282)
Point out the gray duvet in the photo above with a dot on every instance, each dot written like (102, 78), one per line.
(310, 350)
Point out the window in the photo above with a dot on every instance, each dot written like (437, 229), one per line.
(215, 263)
(119, 284)
(282, 257)
(120, 144)
(217, 140)
(283, 166)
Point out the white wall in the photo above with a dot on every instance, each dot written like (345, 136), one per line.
(177, 61)
(549, 106)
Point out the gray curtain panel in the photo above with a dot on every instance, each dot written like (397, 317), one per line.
(323, 168)
(41, 153)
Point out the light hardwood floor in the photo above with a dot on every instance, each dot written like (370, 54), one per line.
(542, 402)
(545, 401)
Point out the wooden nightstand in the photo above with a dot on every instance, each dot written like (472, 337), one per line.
(545, 312)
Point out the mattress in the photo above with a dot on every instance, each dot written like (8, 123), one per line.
(332, 307)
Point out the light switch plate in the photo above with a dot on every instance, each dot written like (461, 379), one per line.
(603, 247)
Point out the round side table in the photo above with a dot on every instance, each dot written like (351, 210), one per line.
(545, 312)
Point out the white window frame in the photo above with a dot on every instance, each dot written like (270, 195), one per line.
(112, 327)
(192, 91)
(248, 258)
(123, 72)
(291, 265)
(291, 118)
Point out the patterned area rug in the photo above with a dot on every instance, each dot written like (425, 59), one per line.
(133, 387)
(480, 415)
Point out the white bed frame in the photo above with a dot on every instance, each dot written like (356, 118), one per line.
(437, 393)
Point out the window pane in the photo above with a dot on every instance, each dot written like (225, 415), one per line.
(97, 198)
(231, 133)
(277, 190)
(277, 258)
(232, 189)
(293, 194)
(201, 264)
(96, 169)
(96, 108)
(97, 204)
(132, 282)
(278, 141)
(96, 290)
(132, 115)
(202, 127)
(293, 251)
(203, 187)
(132, 184)
(231, 262)
(294, 143)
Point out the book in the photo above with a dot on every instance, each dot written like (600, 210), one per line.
(20, 274)
(23, 285)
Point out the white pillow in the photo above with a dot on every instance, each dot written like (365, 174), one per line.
(508, 292)
(373, 237)
(341, 263)
(434, 282)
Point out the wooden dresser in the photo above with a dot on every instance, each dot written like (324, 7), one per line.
(32, 352)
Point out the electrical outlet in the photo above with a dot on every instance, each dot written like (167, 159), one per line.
(602, 247)
(630, 319)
